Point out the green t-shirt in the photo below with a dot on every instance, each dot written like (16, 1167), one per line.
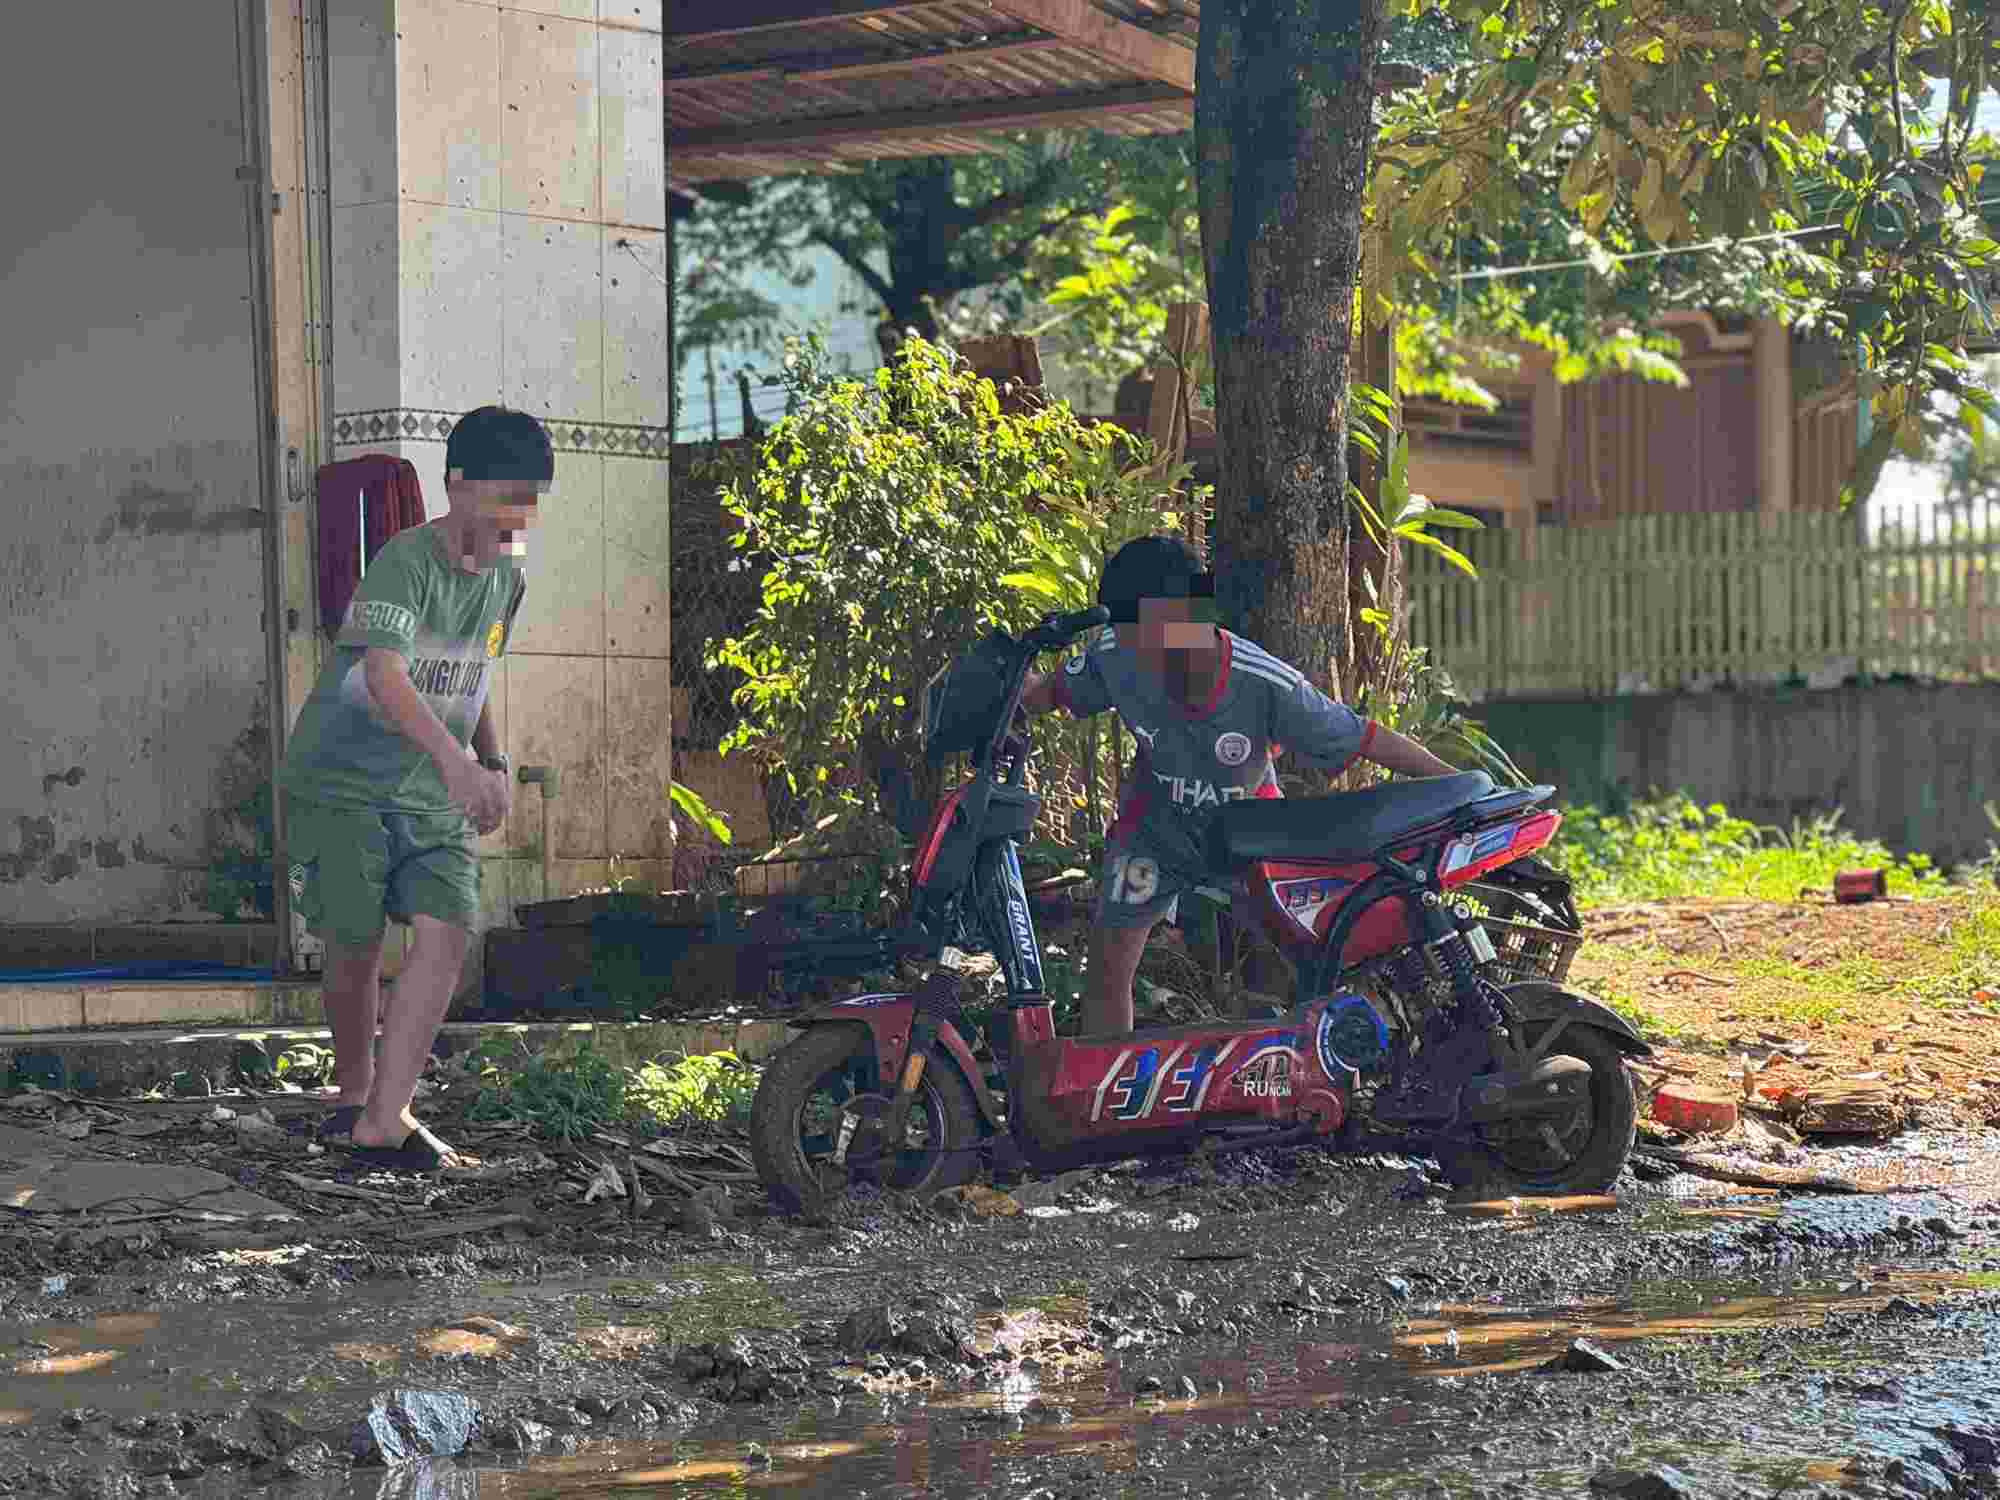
(450, 626)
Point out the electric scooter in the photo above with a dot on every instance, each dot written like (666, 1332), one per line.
(1524, 1088)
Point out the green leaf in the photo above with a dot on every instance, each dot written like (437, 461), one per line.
(1444, 549)
(689, 801)
(1438, 516)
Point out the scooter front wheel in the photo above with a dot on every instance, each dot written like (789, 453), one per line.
(830, 1073)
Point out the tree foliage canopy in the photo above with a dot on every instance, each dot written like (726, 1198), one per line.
(1662, 126)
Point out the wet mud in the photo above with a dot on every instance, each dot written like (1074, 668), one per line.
(1291, 1325)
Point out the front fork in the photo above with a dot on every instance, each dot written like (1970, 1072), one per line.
(1000, 906)
(1001, 911)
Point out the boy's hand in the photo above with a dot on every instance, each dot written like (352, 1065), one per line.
(483, 794)
(504, 787)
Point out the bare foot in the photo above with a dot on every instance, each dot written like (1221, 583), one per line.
(408, 1132)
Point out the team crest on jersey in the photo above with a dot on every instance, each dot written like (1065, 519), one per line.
(1074, 666)
(493, 639)
(1232, 749)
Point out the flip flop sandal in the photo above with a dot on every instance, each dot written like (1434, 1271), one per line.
(420, 1152)
(337, 1122)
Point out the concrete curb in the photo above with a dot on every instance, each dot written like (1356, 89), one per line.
(71, 1006)
(196, 1061)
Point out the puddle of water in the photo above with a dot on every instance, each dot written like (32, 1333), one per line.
(326, 1351)
(971, 1444)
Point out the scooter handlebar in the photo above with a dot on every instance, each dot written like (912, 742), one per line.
(1057, 631)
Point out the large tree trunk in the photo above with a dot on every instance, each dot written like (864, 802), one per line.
(1283, 124)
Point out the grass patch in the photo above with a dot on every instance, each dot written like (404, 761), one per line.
(1969, 959)
(1776, 989)
(1649, 1024)
(731, 1299)
(1669, 848)
(1070, 1301)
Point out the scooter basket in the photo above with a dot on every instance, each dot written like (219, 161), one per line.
(1524, 951)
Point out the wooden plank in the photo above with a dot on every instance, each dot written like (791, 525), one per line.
(1033, 112)
(1120, 43)
(690, 21)
(825, 68)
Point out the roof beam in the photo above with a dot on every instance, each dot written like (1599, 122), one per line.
(1130, 47)
(710, 20)
(1034, 112)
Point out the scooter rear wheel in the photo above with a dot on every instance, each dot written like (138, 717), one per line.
(1579, 1154)
(794, 1121)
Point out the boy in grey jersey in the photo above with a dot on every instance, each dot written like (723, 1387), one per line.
(1210, 709)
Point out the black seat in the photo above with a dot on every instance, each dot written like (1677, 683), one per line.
(1346, 825)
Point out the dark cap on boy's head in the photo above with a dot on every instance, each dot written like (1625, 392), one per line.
(1152, 567)
(494, 442)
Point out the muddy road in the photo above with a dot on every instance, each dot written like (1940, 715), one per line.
(1285, 1326)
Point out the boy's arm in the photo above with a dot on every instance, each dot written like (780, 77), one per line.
(485, 743)
(388, 677)
(1329, 734)
(1403, 755)
(1079, 689)
(1039, 697)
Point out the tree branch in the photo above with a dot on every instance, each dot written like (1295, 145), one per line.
(1896, 76)
(1027, 195)
(855, 260)
(1017, 253)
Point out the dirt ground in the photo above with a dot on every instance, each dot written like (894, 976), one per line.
(1901, 993)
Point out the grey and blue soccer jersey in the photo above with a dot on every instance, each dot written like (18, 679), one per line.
(1192, 760)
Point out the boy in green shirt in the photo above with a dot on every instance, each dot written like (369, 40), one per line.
(392, 766)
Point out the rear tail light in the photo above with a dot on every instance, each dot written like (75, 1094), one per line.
(933, 839)
(1472, 855)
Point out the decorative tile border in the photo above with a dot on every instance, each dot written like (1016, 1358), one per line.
(414, 424)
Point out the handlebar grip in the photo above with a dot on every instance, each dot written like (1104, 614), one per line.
(1073, 625)
(1057, 631)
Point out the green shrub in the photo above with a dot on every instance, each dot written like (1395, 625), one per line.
(898, 519)
(1665, 848)
(567, 1093)
(564, 1097)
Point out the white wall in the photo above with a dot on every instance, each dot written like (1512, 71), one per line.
(130, 583)
(499, 207)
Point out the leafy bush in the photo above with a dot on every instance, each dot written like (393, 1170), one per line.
(901, 517)
(565, 1097)
(710, 1089)
(567, 1093)
(1671, 847)
(307, 1064)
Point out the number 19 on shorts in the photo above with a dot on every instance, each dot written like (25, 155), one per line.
(1135, 879)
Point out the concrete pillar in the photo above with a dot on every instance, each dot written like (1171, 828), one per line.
(499, 227)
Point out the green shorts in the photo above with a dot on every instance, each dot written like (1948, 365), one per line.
(353, 872)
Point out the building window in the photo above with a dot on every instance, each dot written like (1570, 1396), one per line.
(1508, 428)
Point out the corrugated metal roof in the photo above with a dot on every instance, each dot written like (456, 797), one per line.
(812, 85)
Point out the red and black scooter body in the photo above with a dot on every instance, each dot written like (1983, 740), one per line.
(1336, 882)
(1079, 1099)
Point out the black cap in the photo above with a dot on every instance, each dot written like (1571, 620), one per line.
(497, 443)
(1152, 567)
